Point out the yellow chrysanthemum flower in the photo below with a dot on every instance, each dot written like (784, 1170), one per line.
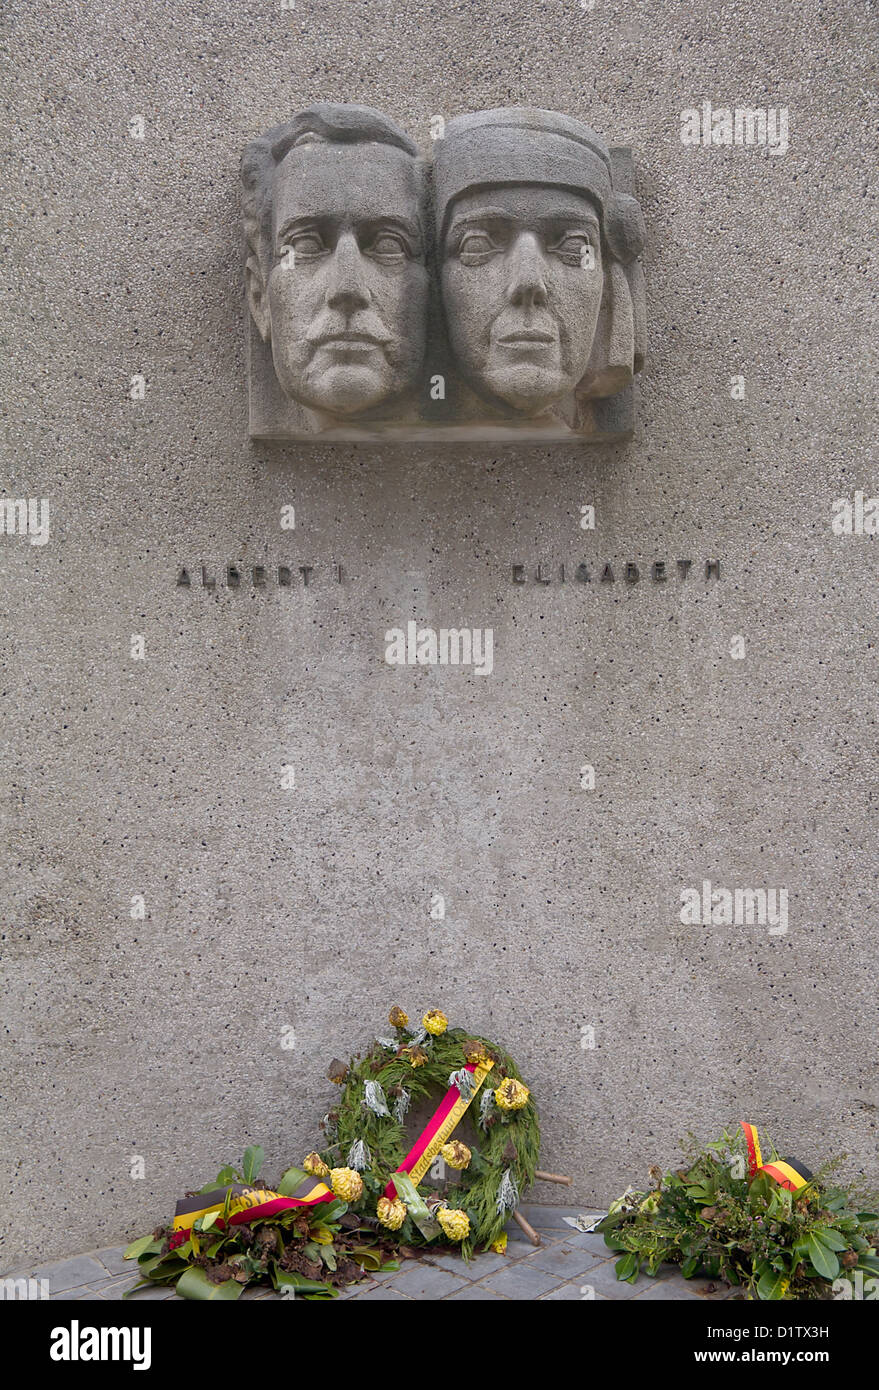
(499, 1246)
(455, 1224)
(314, 1164)
(435, 1022)
(391, 1213)
(511, 1095)
(415, 1056)
(456, 1154)
(347, 1184)
(397, 1018)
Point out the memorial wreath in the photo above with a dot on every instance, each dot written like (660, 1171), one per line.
(370, 1163)
(349, 1209)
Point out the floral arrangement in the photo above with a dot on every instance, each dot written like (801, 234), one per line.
(367, 1144)
(307, 1251)
(726, 1216)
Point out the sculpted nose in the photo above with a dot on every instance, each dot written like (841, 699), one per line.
(527, 286)
(347, 289)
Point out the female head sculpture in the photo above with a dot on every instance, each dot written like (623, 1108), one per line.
(538, 246)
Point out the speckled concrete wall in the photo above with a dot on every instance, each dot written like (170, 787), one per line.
(309, 908)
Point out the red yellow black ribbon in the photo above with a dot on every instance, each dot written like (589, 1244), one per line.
(246, 1203)
(785, 1171)
(755, 1158)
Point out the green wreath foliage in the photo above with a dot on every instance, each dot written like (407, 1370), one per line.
(509, 1141)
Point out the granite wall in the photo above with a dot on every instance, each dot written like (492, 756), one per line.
(268, 907)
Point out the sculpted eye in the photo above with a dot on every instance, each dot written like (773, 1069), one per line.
(475, 246)
(305, 244)
(389, 246)
(573, 248)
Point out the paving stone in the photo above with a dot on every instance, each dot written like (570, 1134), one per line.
(477, 1268)
(603, 1279)
(382, 1292)
(156, 1291)
(590, 1241)
(572, 1293)
(113, 1262)
(115, 1288)
(75, 1273)
(427, 1282)
(666, 1290)
(352, 1290)
(524, 1280)
(564, 1260)
(476, 1292)
(521, 1249)
(672, 1285)
(548, 1218)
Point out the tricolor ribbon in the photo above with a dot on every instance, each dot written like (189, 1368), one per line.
(437, 1130)
(787, 1172)
(246, 1203)
(755, 1158)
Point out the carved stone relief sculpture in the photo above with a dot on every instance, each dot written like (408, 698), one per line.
(495, 293)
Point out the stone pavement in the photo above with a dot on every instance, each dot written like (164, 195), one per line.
(568, 1266)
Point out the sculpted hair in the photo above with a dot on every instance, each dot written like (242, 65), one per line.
(322, 123)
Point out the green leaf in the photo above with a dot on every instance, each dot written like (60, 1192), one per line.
(689, 1267)
(160, 1266)
(327, 1212)
(283, 1279)
(225, 1176)
(614, 1242)
(291, 1180)
(627, 1267)
(366, 1258)
(138, 1247)
(154, 1248)
(253, 1161)
(194, 1283)
(825, 1262)
(771, 1286)
(831, 1238)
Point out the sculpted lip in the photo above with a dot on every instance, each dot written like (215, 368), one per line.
(349, 340)
(527, 335)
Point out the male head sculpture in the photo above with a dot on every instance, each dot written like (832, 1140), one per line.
(336, 276)
(540, 282)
